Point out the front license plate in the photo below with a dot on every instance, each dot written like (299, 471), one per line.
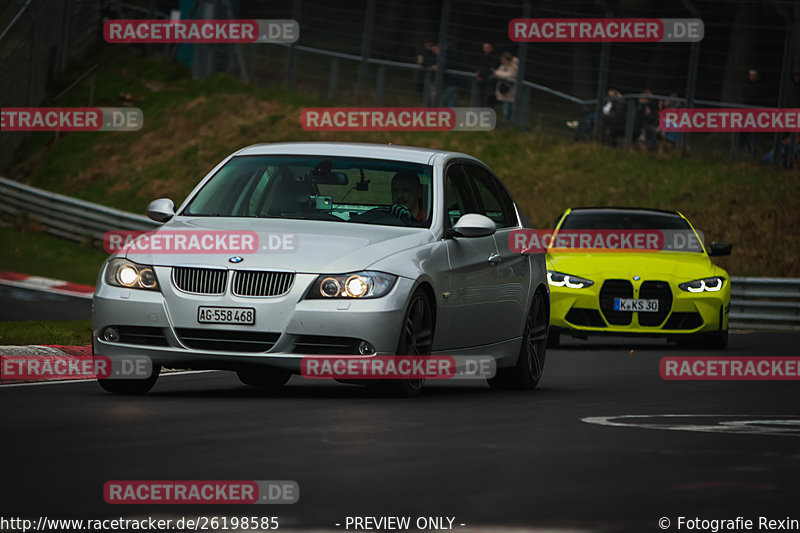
(634, 304)
(243, 316)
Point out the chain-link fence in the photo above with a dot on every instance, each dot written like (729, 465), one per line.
(37, 39)
(370, 52)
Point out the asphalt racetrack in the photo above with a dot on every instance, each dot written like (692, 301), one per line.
(547, 459)
(17, 303)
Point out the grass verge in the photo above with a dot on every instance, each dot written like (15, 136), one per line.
(191, 125)
(40, 254)
(63, 332)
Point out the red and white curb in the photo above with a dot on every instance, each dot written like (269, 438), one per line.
(58, 350)
(55, 349)
(40, 351)
(38, 283)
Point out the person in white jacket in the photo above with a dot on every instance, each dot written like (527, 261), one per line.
(506, 89)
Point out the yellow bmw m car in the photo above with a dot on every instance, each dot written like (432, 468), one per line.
(666, 286)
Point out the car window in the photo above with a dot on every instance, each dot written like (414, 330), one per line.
(328, 188)
(496, 202)
(459, 198)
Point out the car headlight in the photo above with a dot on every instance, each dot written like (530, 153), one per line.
(130, 275)
(559, 279)
(706, 284)
(355, 285)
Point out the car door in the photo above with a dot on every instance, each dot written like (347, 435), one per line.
(466, 314)
(511, 269)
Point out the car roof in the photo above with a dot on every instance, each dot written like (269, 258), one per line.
(623, 210)
(410, 154)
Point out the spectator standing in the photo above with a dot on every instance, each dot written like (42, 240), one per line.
(489, 62)
(506, 90)
(449, 93)
(427, 60)
(753, 97)
(646, 123)
(664, 105)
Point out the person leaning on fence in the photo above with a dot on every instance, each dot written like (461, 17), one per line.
(663, 106)
(506, 88)
(586, 125)
(489, 61)
(646, 122)
(754, 97)
(426, 59)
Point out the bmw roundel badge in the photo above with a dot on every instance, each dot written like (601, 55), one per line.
(236, 259)
(635, 278)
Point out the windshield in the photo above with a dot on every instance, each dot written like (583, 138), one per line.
(337, 189)
(621, 220)
(625, 230)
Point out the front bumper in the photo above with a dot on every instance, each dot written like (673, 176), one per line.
(588, 311)
(163, 326)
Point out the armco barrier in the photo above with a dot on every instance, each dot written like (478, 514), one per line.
(64, 216)
(756, 303)
(765, 303)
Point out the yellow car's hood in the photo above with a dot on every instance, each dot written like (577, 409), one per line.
(648, 265)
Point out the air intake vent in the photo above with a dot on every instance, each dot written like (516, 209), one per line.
(259, 283)
(655, 290)
(615, 288)
(221, 340)
(200, 280)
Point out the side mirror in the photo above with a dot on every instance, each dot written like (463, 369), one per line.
(161, 210)
(473, 225)
(720, 248)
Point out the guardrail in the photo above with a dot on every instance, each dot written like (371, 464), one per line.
(756, 303)
(65, 216)
(765, 303)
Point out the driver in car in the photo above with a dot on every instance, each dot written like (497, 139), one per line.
(409, 204)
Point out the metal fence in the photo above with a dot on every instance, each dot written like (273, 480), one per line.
(365, 52)
(765, 303)
(756, 303)
(64, 216)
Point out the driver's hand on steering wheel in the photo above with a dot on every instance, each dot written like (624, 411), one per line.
(401, 212)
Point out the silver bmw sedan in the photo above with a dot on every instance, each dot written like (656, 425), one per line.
(290, 250)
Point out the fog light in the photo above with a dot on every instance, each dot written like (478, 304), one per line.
(111, 334)
(365, 348)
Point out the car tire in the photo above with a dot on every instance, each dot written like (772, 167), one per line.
(719, 341)
(131, 386)
(416, 338)
(705, 341)
(527, 372)
(265, 378)
(553, 338)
